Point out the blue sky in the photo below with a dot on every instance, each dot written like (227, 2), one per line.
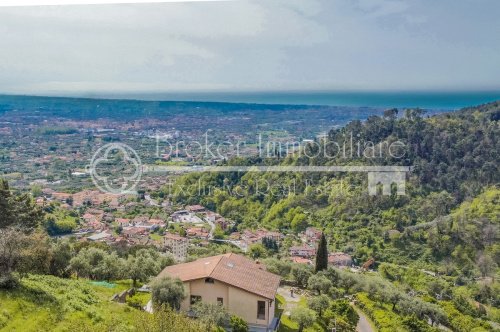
(251, 45)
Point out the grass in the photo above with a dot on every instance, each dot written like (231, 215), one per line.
(155, 236)
(47, 303)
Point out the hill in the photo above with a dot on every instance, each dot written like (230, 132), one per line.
(454, 157)
(48, 303)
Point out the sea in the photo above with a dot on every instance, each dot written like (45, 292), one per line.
(449, 100)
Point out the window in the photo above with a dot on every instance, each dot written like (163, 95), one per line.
(220, 301)
(209, 281)
(195, 298)
(261, 310)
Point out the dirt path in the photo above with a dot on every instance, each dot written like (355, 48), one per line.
(364, 324)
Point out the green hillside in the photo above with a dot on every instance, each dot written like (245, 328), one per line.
(48, 303)
(454, 158)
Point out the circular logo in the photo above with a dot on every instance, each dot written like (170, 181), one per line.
(116, 168)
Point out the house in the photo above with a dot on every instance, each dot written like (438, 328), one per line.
(251, 237)
(339, 259)
(185, 216)
(197, 232)
(239, 284)
(313, 234)
(177, 245)
(304, 251)
(158, 222)
(300, 260)
(140, 220)
(211, 216)
(123, 222)
(195, 208)
(276, 236)
(134, 231)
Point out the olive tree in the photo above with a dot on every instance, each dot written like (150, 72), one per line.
(168, 291)
(303, 316)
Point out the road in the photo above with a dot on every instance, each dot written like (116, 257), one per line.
(363, 322)
(212, 229)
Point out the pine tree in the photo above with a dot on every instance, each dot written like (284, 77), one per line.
(322, 255)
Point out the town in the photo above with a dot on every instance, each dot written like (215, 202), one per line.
(122, 220)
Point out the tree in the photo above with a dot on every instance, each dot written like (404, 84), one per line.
(144, 264)
(36, 190)
(218, 232)
(486, 265)
(322, 255)
(257, 250)
(12, 243)
(36, 254)
(347, 281)
(27, 214)
(211, 314)
(303, 316)
(319, 283)
(319, 303)
(301, 274)
(342, 309)
(18, 210)
(5, 204)
(238, 324)
(280, 267)
(95, 263)
(62, 251)
(393, 296)
(168, 291)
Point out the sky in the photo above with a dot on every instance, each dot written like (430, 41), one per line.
(252, 45)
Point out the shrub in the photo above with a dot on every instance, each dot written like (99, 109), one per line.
(238, 324)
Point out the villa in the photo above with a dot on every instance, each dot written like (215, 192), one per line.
(239, 284)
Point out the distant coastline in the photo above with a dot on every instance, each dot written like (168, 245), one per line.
(449, 100)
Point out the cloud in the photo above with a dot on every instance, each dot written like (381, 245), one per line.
(253, 44)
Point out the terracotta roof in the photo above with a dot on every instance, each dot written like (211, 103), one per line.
(232, 269)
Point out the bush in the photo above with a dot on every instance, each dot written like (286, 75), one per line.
(384, 319)
(238, 324)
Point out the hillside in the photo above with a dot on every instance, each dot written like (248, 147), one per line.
(48, 303)
(454, 158)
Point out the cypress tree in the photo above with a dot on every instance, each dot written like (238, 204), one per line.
(5, 204)
(322, 255)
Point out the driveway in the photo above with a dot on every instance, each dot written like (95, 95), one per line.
(290, 302)
(363, 322)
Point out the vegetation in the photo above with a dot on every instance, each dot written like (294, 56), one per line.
(436, 251)
(213, 315)
(321, 255)
(18, 210)
(303, 316)
(167, 291)
(48, 303)
(238, 324)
